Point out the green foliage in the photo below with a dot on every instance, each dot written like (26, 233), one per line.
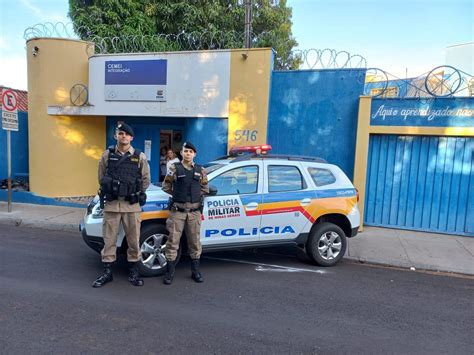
(223, 18)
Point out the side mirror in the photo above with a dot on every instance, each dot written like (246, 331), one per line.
(212, 190)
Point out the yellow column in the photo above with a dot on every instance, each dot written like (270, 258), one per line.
(362, 151)
(249, 94)
(63, 150)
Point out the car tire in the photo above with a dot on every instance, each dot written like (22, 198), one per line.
(152, 257)
(326, 244)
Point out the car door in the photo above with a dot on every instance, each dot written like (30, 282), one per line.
(286, 195)
(233, 215)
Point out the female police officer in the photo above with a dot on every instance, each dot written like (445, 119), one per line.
(187, 183)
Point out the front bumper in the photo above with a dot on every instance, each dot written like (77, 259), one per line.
(95, 243)
(354, 231)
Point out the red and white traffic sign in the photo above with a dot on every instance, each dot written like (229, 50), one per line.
(9, 110)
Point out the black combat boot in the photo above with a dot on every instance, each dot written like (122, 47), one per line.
(105, 277)
(133, 275)
(170, 268)
(195, 273)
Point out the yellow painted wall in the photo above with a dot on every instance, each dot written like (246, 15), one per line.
(63, 150)
(249, 95)
(362, 152)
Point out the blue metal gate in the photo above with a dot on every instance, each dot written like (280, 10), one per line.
(421, 183)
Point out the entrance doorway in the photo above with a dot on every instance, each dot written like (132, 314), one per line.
(169, 139)
(151, 134)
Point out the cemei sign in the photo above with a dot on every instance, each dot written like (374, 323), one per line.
(135, 80)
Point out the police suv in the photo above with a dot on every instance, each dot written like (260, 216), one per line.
(256, 200)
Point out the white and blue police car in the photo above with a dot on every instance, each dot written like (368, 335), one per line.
(257, 200)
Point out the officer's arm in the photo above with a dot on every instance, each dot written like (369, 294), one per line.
(204, 183)
(103, 165)
(145, 171)
(169, 179)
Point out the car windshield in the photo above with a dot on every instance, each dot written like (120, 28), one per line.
(210, 167)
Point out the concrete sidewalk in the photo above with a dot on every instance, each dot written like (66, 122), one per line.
(40, 216)
(407, 249)
(393, 247)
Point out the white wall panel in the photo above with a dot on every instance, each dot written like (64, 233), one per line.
(197, 86)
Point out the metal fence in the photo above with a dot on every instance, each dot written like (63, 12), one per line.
(442, 81)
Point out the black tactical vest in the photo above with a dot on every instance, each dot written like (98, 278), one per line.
(126, 170)
(187, 186)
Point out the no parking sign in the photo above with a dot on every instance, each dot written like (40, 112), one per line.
(9, 123)
(9, 110)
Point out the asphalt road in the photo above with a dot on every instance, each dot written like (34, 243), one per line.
(249, 303)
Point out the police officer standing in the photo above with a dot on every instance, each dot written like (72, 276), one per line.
(124, 175)
(187, 183)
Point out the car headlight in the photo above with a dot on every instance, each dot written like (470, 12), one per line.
(98, 213)
(94, 209)
(90, 206)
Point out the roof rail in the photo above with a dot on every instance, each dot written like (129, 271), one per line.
(224, 157)
(275, 156)
(298, 158)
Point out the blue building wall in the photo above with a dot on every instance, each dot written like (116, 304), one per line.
(314, 112)
(30, 197)
(208, 134)
(19, 144)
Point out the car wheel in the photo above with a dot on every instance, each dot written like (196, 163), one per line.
(153, 239)
(326, 244)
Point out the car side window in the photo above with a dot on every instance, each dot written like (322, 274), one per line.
(285, 178)
(322, 177)
(238, 181)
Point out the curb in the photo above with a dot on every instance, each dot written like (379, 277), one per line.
(408, 267)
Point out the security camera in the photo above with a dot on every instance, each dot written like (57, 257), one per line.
(35, 51)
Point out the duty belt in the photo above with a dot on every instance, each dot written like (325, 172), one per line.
(187, 210)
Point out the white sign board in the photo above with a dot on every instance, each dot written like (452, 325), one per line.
(148, 149)
(184, 84)
(9, 110)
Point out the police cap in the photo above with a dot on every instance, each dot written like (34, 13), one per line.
(189, 145)
(125, 128)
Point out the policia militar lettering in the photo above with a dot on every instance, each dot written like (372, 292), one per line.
(124, 176)
(187, 183)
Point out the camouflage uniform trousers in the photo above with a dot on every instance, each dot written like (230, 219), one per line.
(110, 227)
(190, 223)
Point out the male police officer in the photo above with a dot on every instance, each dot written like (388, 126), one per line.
(187, 183)
(124, 175)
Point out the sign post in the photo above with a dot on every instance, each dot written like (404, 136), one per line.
(9, 123)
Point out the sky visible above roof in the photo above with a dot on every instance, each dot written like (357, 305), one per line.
(403, 37)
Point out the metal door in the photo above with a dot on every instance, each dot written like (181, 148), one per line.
(421, 183)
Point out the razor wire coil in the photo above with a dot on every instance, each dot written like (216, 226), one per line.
(184, 41)
(444, 81)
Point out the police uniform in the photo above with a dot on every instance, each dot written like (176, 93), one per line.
(124, 177)
(187, 183)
